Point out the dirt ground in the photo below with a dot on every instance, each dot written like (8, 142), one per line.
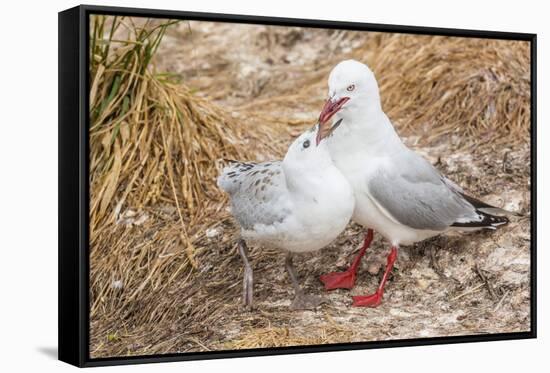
(459, 284)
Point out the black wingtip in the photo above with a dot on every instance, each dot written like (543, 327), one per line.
(487, 221)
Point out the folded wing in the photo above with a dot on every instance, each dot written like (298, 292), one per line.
(413, 193)
(258, 192)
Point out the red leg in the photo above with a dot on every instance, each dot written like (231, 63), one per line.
(346, 279)
(373, 300)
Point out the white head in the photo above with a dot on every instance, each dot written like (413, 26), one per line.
(309, 151)
(352, 88)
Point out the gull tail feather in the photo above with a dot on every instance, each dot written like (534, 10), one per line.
(489, 217)
(488, 209)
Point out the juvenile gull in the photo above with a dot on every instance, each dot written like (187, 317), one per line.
(398, 193)
(299, 204)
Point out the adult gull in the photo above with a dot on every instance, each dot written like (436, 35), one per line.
(398, 193)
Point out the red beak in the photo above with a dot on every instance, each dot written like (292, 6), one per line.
(331, 108)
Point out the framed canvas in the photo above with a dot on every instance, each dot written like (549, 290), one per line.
(234, 186)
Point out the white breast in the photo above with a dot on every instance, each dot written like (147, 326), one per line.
(317, 218)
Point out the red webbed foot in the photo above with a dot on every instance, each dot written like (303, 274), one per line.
(346, 279)
(339, 280)
(372, 300)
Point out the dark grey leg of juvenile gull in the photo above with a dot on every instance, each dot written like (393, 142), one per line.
(248, 280)
(301, 301)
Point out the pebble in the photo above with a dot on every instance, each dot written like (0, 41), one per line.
(212, 232)
(423, 283)
(374, 268)
(117, 285)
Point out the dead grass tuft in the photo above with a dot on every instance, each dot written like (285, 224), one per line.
(435, 85)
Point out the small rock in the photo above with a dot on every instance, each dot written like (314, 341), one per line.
(212, 232)
(373, 268)
(423, 283)
(117, 285)
(142, 219)
(341, 262)
(129, 214)
(131, 217)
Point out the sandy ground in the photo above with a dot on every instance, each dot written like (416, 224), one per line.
(459, 284)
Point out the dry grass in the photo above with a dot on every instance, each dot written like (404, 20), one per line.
(152, 140)
(287, 337)
(439, 85)
(165, 276)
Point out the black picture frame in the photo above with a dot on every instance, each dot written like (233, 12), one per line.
(73, 253)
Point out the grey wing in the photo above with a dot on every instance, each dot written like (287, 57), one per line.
(415, 194)
(258, 191)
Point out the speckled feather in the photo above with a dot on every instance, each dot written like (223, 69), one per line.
(258, 192)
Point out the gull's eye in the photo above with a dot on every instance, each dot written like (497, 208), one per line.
(306, 144)
(351, 87)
